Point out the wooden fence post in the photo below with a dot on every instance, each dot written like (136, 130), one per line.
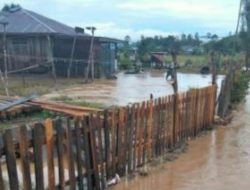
(38, 136)
(87, 155)
(78, 144)
(70, 155)
(60, 153)
(24, 156)
(175, 118)
(11, 160)
(50, 155)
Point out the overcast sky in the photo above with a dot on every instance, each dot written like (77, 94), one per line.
(118, 18)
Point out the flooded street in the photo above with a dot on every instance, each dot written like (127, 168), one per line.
(220, 160)
(131, 88)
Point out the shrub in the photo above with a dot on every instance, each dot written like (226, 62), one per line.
(188, 63)
(240, 87)
(124, 62)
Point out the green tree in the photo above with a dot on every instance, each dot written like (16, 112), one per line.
(124, 54)
(183, 37)
(8, 7)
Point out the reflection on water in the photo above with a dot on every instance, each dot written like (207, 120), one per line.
(218, 161)
(134, 88)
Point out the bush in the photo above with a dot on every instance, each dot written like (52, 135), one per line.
(124, 62)
(240, 88)
(188, 63)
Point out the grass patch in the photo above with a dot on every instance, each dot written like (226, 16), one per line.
(86, 104)
(28, 118)
(37, 84)
(83, 103)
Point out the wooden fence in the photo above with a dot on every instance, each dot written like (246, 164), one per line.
(224, 100)
(84, 153)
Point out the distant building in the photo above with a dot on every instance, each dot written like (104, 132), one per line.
(192, 50)
(34, 41)
(158, 59)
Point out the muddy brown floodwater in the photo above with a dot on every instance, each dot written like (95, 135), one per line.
(220, 160)
(131, 88)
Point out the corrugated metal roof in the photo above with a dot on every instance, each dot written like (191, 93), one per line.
(24, 21)
(159, 58)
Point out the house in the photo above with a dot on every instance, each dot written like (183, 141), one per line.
(36, 43)
(158, 59)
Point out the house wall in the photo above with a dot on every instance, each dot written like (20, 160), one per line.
(104, 57)
(23, 52)
(27, 51)
(62, 48)
(107, 58)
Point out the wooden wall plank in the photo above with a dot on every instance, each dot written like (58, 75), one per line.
(10, 160)
(135, 133)
(25, 157)
(141, 128)
(146, 134)
(107, 143)
(38, 137)
(130, 137)
(121, 142)
(49, 132)
(60, 153)
(79, 159)
(114, 141)
(99, 126)
(94, 152)
(87, 156)
(70, 155)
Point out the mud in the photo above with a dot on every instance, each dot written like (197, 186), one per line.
(219, 160)
(131, 88)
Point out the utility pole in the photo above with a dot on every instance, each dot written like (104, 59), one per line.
(175, 87)
(78, 30)
(243, 26)
(214, 68)
(5, 77)
(91, 57)
(175, 83)
(71, 56)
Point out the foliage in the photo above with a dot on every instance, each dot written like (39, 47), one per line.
(124, 54)
(26, 118)
(240, 87)
(170, 43)
(8, 7)
(187, 44)
(188, 62)
(226, 46)
(196, 60)
(124, 62)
